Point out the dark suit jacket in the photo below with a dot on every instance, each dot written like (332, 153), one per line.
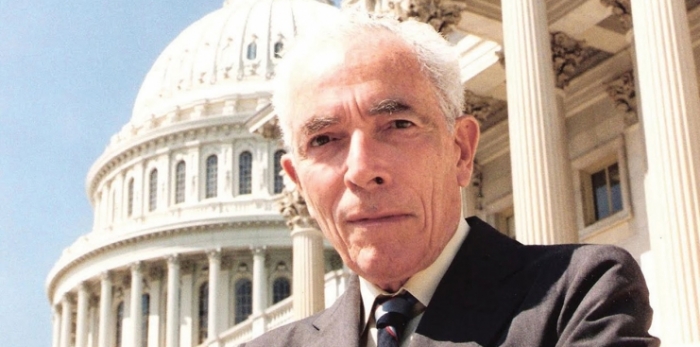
(498, 292)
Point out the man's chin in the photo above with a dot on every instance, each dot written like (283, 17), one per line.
(384, 274)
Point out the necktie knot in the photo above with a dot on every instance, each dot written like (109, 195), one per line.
(391, 316)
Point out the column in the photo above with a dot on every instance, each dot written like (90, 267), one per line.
(93, 322)
(212, 311)
(66, 320)
(136, 303)
(187, 311)
(172, 328)
(154, 317)
(670, 115)
(542, 187)
(259, 291)
(307, 253)
(106, 328)
(82, 317)
(307, 282)
(56, 320)
(259, 281)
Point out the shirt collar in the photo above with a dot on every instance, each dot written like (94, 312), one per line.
(421, 285)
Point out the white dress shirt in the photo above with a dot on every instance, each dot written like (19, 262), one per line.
(422, 286)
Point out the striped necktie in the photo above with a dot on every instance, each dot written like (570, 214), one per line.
(392, 315)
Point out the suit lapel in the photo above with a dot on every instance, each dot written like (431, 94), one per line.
(475, 300)
(339, 325)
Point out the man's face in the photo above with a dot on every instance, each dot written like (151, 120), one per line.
(374, 158)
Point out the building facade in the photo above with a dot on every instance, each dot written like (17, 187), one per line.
(589, 112)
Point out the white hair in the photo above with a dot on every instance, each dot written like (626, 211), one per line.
(438, 59)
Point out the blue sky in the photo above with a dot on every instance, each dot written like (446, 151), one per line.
(69, 73)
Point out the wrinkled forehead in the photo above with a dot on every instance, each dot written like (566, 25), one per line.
(379, 57)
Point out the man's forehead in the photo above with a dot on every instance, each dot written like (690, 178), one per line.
(363, 62)
(352, 52)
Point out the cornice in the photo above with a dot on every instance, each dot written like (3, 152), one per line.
(69, 261)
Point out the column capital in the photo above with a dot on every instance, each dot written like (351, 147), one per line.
(105, 276)
(214, 254)
(136, 267)
(293, 208)
(567, 55)
(67, 299)
(173, 260)
(623, 94)
(258, 250)
(83, 287)
(622, 9)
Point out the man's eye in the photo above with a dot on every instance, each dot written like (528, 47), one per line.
(402, 124)
(319, 140)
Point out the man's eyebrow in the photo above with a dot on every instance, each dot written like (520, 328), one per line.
(388, 106)
(318, 123)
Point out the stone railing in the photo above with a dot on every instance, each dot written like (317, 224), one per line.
(275, 316)
(238, 334)
(279, 314)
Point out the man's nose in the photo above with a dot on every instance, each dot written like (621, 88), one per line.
(366, 164)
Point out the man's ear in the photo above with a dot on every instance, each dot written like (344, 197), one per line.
(466, 139)
(291, 171)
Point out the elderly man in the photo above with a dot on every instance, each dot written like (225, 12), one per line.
(371, 111)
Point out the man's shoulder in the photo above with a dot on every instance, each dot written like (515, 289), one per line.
(339, 321)
(578, 257)
(566, 255)
(292, 334)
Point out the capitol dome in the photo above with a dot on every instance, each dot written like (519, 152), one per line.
(228, 53)
(185, 195)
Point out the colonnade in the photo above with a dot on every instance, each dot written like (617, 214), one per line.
(670, 105)
(96, 314)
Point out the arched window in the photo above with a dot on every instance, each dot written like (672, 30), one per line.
(280, 289)
(130, 198)
(279, 46)
(153, 190)
(145, 309)
(252, 51)
(180, 182)
(212, 175)
(279, 180)
(203, 311)
(119, 324)
(245, 168)
(244, 299)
